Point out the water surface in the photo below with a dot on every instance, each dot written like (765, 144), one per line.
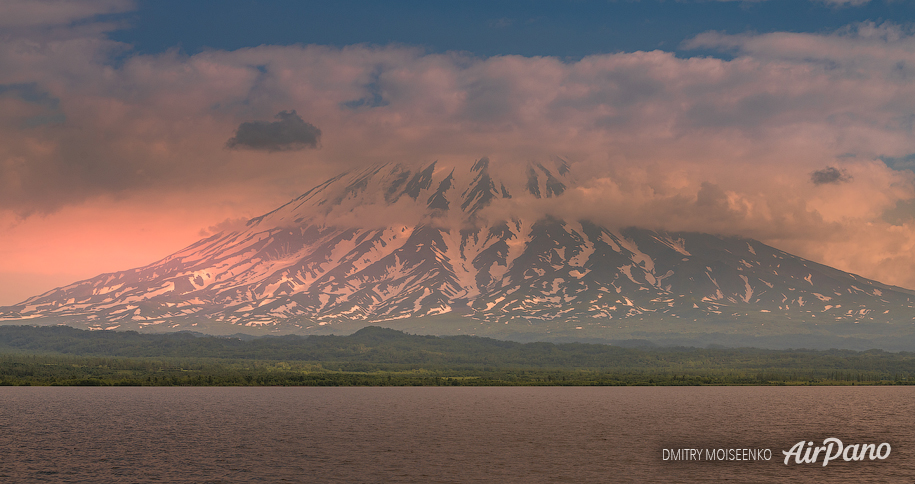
(443, 434)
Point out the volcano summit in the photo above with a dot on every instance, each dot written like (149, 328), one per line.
(446, 253)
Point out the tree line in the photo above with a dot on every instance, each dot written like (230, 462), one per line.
(59, 355)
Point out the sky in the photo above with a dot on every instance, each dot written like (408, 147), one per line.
(131, 129)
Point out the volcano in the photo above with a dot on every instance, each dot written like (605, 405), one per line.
(445, 254)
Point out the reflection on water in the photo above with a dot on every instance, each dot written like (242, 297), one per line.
(447, 434)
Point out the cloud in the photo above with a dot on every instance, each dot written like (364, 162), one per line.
(838, 3)
(829, 175)
(290, 133)
(44, 13)
(845, 3)
(227, 225)
(501, 23)
(906, 162)
(31, 93)
(726, 146)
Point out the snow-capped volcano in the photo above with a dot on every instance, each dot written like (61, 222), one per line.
(395, 242)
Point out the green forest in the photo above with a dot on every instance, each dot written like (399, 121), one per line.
(61, 355)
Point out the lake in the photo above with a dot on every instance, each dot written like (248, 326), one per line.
(447, 434)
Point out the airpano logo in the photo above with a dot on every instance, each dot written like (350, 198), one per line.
(805, 453)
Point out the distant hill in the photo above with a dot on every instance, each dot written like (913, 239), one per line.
(382, 349)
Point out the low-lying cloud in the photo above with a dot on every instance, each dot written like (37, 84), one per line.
(829, 175)
(227, 225)
(289, 133)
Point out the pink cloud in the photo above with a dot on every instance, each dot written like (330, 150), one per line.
(655, 140)
(44, 13)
